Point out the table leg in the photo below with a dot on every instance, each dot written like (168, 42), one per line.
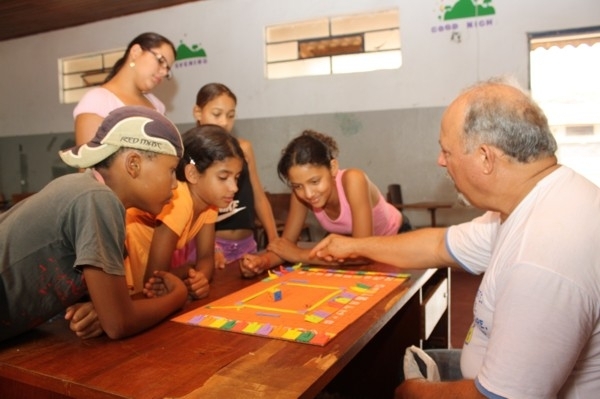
(432, 214)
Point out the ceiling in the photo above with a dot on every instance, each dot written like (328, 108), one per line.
(20, 18)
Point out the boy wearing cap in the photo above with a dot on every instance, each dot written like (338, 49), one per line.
(67, 240)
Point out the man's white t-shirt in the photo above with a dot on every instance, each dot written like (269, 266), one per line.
(536, 329)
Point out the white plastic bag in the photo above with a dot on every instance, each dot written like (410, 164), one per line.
(411, 367)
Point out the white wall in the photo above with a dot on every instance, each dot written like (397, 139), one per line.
(231, 32)
(385, 122)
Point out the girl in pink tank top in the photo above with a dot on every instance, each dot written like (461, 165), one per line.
(344, 201)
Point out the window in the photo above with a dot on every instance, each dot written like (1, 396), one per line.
(356, 43)
(78, 74)
(566, 84)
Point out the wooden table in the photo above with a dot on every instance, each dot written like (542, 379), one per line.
(180, 361)
(431, 206)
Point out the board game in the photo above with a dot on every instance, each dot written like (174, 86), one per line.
(297, 303)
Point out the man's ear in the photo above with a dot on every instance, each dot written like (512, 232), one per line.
(133, 163)
(488, 158)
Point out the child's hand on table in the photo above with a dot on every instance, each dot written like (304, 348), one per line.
(162, 283)
(253, 264)
(84, 320)
(220, 260)
(197, 284)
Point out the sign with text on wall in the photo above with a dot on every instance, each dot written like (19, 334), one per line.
(454, 15)
(189, 55)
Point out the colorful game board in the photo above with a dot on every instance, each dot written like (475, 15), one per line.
(302, 304)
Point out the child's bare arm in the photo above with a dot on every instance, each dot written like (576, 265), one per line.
(164, 242)
(121, 316)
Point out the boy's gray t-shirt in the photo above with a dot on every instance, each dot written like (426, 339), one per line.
(44, 240)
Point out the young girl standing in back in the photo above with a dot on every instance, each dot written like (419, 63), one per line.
(344, 201)
(216, 104)
(207, 175)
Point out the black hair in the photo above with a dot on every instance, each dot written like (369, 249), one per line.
(310, 147)
(146, 41)
(205, 145)
(210, 91)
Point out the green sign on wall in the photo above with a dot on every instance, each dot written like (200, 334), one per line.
(467, 9)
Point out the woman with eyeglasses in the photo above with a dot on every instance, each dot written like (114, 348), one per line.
(146, 62)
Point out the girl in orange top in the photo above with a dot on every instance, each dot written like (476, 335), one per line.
(207, 175)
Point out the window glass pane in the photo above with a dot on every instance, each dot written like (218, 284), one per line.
(299, 30)
(366, 62)
(383, 40)
(77, 74)
(111, 58)
(354, 35)
(73, 81)
(565, 82)
(364, 22)
(73, 96)
(309, 67)
(282, 51)
(82, 64)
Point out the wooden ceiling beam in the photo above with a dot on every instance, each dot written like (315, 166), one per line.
(19, 18)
